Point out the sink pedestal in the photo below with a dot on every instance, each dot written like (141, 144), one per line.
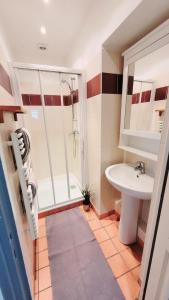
(129, 219)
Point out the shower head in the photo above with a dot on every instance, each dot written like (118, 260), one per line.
(70, 87)
(65, 81)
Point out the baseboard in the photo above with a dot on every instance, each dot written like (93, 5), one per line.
(140, 242)
(116, 216)
(59, 209)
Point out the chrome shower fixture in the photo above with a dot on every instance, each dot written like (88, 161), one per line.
(70, 86)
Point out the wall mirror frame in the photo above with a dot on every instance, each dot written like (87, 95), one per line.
(141, 142)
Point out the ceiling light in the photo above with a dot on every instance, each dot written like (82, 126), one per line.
(43, 30)
(46, 1)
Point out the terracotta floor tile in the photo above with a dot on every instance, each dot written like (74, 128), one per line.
(107, 221)
(95, 224)
(118, 265)
(129, 286)
(42, 244)
(114, 217)
(90, 215)
(42, 231)
(129, 259)
(108, 248)
(46, 294)
(118, 245)
(112, 230)
(136, 273)
(42, 222)
(43, 259)
(101, 235)
(44, 279)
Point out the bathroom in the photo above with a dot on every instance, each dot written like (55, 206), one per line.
(84, 89)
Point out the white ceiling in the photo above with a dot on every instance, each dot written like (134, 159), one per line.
(75, 28)
(21, 21)
(71, 26)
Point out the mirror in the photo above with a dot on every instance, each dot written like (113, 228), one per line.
(147, 91)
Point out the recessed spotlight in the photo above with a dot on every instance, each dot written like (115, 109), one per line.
(46, 1)
(43, 30)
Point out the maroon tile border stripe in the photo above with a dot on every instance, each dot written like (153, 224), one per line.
(94, 86)
(130, 85)
(50, 100)
(145, 96)
(5, 80)
(31, 99)
(112, 83)
(54, 100)
(161, 93)
(135, 98)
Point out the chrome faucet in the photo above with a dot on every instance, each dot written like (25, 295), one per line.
(140, 165)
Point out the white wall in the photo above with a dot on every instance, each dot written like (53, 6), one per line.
(103, 125)
(5, 97)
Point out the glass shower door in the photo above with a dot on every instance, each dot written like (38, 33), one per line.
(54, 119)
(33, 120)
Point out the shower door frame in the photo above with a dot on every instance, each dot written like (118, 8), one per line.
(14, 67)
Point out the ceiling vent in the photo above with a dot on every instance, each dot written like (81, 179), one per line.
(42, 47)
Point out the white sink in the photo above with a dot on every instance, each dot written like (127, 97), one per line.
(128, 181)
(133, 186)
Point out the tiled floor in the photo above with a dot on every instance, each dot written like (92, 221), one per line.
(123, 260)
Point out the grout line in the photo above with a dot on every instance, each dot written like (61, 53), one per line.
(127, 272)
(45, 289)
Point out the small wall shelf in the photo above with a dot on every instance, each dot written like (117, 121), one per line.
(160, 111)
(143, 134)
(11, 109)
(148, 155)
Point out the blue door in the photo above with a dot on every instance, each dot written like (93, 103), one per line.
(13, 279)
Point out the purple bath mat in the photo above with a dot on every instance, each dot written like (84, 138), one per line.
(79, 270)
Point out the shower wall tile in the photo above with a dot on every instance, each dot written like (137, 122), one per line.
(50, 100)
(31, 99)
(145, 96)
(135, 98)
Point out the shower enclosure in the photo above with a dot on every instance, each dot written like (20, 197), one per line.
(53, 99)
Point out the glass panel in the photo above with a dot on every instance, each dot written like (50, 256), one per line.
(34, 122)
(147, 91)
(72, 132)
(54, 121)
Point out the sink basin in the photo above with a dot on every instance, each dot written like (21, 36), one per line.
(128, 181)
(133, 187)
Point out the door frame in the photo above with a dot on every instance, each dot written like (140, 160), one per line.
(156, 206)
(11, 254)
(14, 66)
